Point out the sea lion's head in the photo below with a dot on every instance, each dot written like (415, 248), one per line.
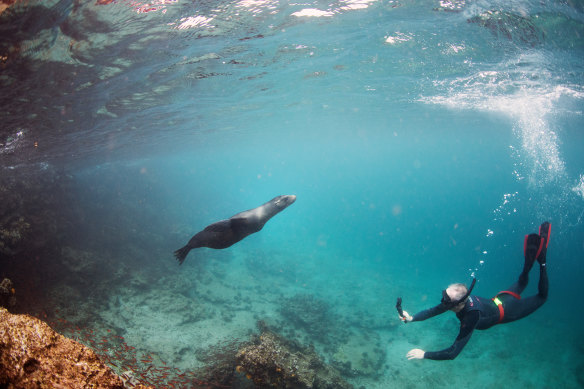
(283, 201)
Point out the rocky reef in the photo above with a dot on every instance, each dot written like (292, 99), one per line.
(273, 361)
(32, 355)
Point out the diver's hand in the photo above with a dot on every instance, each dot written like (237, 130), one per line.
(415, 353)
(406, 317)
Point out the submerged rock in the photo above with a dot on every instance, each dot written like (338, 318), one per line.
(511, 26)
(7, 294)
(32, 355)
(272, 361)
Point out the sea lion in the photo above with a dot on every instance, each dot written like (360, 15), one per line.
(225, 233)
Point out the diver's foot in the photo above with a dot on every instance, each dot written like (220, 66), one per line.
(532, 247)
(544, 232)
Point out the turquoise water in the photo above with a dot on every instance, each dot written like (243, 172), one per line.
(423, 140)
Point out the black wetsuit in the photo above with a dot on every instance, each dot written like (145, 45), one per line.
(481, 313)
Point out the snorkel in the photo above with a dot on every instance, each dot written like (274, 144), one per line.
(448, 303)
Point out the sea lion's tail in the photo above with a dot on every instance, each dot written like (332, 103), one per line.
(181, 254)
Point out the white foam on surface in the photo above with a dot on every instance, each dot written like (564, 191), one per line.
(312, 12)
(523, 90)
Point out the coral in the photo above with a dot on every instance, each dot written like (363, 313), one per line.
(272, 361)
(32, 355)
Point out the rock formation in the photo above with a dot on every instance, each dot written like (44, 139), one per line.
(7, 294)
(32, 355)
(272, 361)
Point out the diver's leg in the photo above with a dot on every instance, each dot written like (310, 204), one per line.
(543, 282)
(545, 233)
(531, 247)
(516, 309)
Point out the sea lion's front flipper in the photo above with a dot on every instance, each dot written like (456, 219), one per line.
(220, 226)
(244, 226)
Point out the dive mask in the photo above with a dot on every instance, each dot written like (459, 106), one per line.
(448, 303)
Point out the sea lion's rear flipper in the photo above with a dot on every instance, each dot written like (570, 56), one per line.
(181, 254)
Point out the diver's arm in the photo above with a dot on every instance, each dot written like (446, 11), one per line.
(428, 313)
(423, 315)
(467, 326)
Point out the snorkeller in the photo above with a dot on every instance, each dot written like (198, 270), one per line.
(481, 313)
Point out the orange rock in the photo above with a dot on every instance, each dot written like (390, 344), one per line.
(32, 355)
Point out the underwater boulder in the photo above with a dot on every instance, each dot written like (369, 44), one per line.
(271, 361)
(7, 294)
(14, 231)
(560, 30)
(510, 26)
